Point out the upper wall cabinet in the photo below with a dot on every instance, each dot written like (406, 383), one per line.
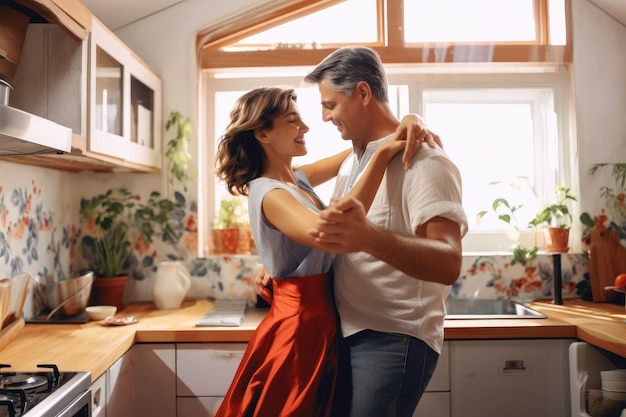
(97, 87)
(124, 103)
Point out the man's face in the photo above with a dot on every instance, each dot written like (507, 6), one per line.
(344, 112)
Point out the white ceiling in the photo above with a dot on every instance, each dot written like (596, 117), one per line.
(616, 8)
(118, 13)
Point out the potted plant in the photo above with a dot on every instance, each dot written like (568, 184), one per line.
(556, 220)
(505, 212)
(176, 151)
(119, 222)
(231, 230)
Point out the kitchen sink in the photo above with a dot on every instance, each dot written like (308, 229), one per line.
(475, 309)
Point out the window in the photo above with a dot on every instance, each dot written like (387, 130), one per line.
(499, 122)
(447, 20)
(305, 32)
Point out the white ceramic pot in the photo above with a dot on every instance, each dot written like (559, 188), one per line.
(171, 283)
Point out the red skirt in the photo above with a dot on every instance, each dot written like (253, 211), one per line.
(290, 365)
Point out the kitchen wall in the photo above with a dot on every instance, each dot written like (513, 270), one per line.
(39, 207)
(600, 96)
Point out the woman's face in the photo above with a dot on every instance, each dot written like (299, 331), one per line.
(286, 138)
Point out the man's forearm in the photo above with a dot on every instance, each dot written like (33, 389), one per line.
(422, 258)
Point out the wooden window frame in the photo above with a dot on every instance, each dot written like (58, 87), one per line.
(390, 45)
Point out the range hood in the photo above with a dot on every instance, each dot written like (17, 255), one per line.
(22, 133)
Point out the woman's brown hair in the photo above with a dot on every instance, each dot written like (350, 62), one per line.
(240, 157)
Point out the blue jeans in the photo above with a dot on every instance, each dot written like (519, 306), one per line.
(387, 374)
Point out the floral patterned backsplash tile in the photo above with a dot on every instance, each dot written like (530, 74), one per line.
(40, 234)
(35, 233)
(492, 276)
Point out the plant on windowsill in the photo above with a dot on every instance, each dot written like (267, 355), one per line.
(117, 222)
(176, 151)
(505, 212)
(231, 230)
(556, 220)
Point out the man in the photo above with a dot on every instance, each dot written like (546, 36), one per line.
(399, 259)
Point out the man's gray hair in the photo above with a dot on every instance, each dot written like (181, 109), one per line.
(345, 67)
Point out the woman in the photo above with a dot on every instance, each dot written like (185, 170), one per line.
(289, 367)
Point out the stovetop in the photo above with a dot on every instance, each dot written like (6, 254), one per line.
(40, 393)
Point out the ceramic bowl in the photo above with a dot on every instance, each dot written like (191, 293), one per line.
(614, 375)
(100, 312)
(619, 386)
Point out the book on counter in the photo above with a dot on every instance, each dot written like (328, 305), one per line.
(224, 313)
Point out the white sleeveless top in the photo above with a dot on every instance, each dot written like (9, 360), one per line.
(281, 256)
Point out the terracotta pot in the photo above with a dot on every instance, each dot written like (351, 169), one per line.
(234, 240)
(245, 236)
(109, 291)
(556, 238)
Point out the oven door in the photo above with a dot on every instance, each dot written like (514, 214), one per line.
(80, 407)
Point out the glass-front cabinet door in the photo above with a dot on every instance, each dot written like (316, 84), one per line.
(145, 115)
(125, 102)
(108, 94)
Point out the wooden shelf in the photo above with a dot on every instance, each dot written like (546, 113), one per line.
(80, 160)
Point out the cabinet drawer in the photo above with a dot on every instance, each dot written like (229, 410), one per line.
(206, 370)
(509, 377)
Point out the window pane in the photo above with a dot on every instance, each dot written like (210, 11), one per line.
(556, 12)
(492, 140)
(326, 26)
(469, 21)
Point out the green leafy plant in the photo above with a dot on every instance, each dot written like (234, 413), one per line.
(176, 152)
(556, 213)
(505, 212)
(119, 221)
(232, 214)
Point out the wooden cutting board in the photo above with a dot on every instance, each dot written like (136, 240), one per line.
(607, 259)
(11, 331)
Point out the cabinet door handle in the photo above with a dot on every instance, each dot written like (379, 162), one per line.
(514, 367)
(227, 354)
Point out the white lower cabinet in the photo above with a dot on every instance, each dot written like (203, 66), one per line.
(585, 364)
(155, 380)
(517, 377)
(435, 401)
(510, 378)
(205, 371)
(143, 382)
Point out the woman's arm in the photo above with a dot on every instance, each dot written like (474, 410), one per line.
(283, 211)
(412, 129)
(325, 169)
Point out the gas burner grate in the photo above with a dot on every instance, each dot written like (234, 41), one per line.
(32, 393)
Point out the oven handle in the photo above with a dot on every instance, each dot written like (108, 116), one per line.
(79, 406)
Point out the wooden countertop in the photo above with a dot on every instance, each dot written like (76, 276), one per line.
(95, 347)
(601, 324)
